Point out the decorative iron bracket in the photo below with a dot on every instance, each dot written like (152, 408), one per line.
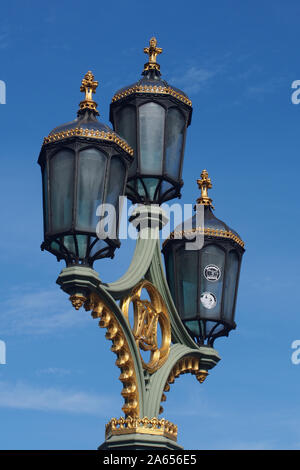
(144, 383)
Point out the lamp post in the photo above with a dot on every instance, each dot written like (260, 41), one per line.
(85, 164)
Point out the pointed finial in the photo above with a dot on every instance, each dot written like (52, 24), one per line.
(204, 184)
(88, 86)
(152, 51)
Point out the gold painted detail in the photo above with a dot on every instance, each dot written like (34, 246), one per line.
(209, 232)
(121, 348)
(152, 52)
(152, 89)
(204, 184)
(94, 134)
(147, 317)
(77, 300)
(185, 365)
(88, 86)
(154, 426)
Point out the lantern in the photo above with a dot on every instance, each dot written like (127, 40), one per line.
(84, 169)
(204, 282)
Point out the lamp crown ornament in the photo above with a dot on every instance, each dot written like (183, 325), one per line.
(88, 86)
(153, 52)
(204, 183)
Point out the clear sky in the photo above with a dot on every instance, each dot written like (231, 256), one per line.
(236, 60)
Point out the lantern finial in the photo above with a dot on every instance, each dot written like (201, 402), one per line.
(152, 51)
(88, 86)
(204, 184)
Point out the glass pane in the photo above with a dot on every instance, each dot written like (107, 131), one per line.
(61, 190)
(211, 279)
(194, 327)
(46, 205)
(69, 243)
(91, 174)
(186, 262)
(152, 121)
(151, 185)
(55, 247)
(174, 139)
(126, 128)
(170, 272)
(99, 245)
(230, 284)
(82, 243)
(114, 191)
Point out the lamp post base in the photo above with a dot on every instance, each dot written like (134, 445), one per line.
(139, 442)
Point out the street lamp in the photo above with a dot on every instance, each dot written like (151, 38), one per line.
(153, 117)
(204, 282)
(84, 164)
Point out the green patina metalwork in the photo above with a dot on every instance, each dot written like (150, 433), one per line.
(146, 264)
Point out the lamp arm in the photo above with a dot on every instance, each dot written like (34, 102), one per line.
(139, 265)
(181, 360)
(148, 220)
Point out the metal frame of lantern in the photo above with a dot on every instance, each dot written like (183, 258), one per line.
(144, 92)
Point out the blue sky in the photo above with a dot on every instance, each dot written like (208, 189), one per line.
(237, 61)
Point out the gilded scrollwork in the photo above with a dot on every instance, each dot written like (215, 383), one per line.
(148, 316)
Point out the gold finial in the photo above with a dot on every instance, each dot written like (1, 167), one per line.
(88, 86)
(204, 184)
(152, 51)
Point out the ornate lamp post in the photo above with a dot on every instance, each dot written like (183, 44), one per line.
(83, 164)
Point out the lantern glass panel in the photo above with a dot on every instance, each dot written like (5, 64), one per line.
(230, 284)
(46, 204)
(187, 263)
(61, 190)
(194, 328)
(115, 188)
(126, 128)
(211, 275)
(82, 245)
(175, 126)
(91, 177)
(150, 184)
(152, 123)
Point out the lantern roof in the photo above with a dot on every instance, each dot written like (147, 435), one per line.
(86, 124)
(151, 81)
(213, 227)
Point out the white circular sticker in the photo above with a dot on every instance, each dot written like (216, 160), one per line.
(208, 300)
(212, 272)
